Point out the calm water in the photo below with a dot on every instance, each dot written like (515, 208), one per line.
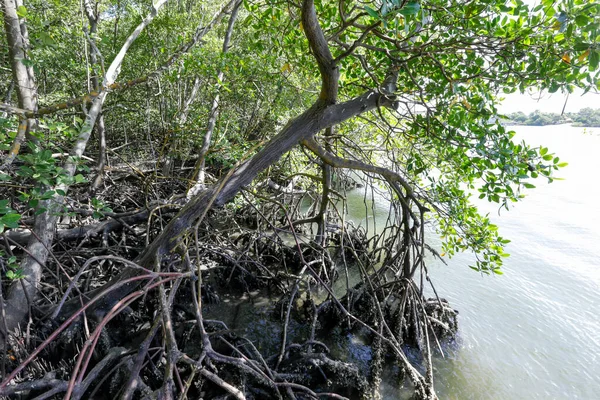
(533, 333)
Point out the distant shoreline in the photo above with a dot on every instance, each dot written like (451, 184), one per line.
(568, 123)
(585, 118)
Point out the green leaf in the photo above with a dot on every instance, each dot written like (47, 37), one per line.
(46, 39)
(372, 12)
(79, 178)
(27, 62)
(411, 8)
(4, 206)
(11, 220)
(581, 20)
(40, 210)
(581, 46)
(594, 59)
(105, 40)
(22, 11)
(48, 195)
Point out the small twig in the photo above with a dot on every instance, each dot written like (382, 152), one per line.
(235, 392)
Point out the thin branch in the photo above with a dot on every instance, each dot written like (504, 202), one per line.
(338, 162)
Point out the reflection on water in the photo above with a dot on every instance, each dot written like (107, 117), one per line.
(534, 332)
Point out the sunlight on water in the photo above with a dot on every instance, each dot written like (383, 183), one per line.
(533, 333)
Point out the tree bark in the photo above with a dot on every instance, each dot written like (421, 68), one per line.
(326, 171)
(18, 43)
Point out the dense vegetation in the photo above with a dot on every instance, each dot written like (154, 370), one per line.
(162, 158)
(587, 117)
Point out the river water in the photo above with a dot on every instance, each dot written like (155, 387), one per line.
(534, 332)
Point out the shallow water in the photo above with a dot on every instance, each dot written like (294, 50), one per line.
(534, 332)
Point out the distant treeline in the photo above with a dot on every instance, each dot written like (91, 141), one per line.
(585, 117)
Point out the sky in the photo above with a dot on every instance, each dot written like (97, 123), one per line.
(546, 102)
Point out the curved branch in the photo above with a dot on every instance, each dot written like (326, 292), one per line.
(330, 73)
(393, 178)
(356, 43)
(338, 162)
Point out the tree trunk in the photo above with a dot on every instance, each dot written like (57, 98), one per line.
(318, 117)
(321, 237)
(92, 15)
(18, 43)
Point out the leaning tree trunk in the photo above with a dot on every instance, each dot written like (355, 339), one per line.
(324, 113)
(24, 292)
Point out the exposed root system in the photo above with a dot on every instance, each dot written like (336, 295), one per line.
(246, 308)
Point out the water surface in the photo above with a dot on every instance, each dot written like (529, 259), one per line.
(534, 332)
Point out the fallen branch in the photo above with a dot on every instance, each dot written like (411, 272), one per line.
(22, 236)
